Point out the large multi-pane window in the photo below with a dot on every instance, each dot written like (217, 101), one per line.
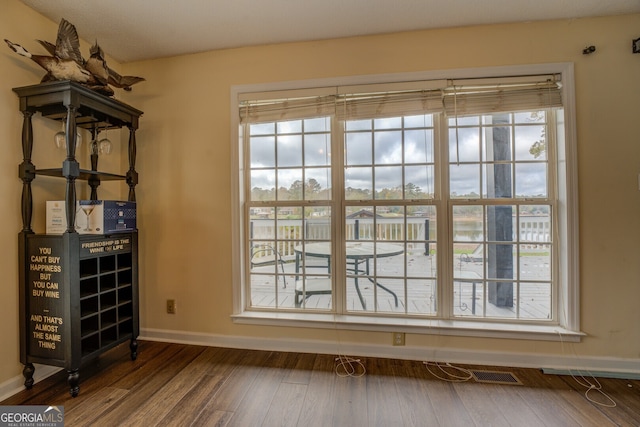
(441, 203)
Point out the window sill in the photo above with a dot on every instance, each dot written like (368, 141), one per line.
(464, 328)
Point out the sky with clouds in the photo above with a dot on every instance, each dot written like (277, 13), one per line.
(375, 156)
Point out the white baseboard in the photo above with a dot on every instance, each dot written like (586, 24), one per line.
(597, 366)
(610, 367)
(16, 384)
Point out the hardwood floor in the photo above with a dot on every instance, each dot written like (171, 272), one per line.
(185, 385)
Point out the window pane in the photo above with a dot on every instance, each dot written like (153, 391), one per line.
(500, 261)
(535, 301)
(317, 223)
(468, 223)
(263, 185)
(464, 181)
(317, 150)
(421, 297)
(290, 226)
(498, 181)
(419, 182)
(317, 184)
(289, 184)
(530, 142)
(388, 147)
(358, 149)
(418, 146)
(358, 183)
(464, 145)
(498, 139)
(388, 182)
(290, 150)
(263, 152)
(531, 180)
(359, 223)
(535, 224)
(468, 296)
(263, 291)
(535, 262)
(390, 223)
(263, 225)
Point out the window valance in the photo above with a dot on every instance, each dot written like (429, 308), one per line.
(451, 97)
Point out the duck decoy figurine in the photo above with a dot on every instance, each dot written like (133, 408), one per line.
(123, 82)
(65, 62)
(97, 65)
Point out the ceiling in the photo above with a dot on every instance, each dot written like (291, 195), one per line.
(132, 30)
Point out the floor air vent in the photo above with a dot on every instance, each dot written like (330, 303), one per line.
(495, 377)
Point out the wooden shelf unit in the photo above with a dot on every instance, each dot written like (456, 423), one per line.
(78, 293)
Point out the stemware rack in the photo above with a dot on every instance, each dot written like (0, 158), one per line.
(78, 293)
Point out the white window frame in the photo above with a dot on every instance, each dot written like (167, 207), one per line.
(567, 295)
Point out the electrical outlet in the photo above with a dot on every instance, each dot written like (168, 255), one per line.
(171, 306)
(398, 338)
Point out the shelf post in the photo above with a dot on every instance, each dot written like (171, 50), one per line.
(94, 182)
(71, 168)
(27, 170)
(132, 175)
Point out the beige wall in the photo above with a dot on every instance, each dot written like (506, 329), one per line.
(22, 25)
(184, 163)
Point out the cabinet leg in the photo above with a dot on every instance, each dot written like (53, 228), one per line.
(28, 372)
(134, 348)
(73, 379)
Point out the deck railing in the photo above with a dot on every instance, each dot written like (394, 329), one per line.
(419, 231)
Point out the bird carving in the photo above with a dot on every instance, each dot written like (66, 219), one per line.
(97, 66)
(66, 62)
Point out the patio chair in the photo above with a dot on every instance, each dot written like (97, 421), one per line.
(306, 286)
(265, 254)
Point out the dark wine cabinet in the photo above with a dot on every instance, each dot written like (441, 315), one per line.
(78, 293)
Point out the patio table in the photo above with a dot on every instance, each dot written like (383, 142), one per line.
(357, 254)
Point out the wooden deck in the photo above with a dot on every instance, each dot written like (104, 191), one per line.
(531, 301)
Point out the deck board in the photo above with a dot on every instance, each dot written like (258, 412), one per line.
(532, 298)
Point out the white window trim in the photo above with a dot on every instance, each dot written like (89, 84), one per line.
(569, 284)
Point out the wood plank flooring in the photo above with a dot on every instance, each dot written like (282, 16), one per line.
(185, 385)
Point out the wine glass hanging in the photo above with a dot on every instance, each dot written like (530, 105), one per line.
(60, 138)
